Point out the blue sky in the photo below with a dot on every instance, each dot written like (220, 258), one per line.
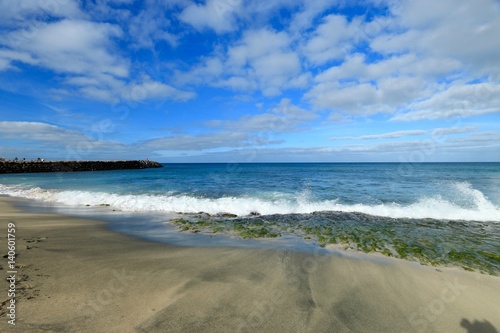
(251, 81)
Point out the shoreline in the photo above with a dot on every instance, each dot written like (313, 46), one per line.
(76, 275)
(168, 231)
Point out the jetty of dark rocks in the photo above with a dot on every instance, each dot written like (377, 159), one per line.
(71, 166)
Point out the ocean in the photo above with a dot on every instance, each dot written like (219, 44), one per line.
(434, 213)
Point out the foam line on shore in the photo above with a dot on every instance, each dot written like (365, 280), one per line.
(479, 208)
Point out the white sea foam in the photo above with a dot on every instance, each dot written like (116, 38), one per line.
(479, 208)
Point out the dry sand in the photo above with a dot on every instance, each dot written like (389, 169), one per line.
(77, 276)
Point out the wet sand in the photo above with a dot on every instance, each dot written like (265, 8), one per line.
(74, 275)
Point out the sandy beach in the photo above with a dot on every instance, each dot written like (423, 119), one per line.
(74, 275)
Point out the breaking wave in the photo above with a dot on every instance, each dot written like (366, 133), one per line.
(477, 206)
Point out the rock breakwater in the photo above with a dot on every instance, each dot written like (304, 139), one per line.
(71, 166)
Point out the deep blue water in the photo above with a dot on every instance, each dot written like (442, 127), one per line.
(453, 191)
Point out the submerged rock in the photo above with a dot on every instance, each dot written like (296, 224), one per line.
(227, 215)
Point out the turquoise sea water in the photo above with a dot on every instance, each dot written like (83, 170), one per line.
(433, 210)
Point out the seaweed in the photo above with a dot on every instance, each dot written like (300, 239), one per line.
(430, 242)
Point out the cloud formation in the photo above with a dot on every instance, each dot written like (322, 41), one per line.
(83, 51)
(464, 100)
(229, 75)
(218, 15)
(391, 135)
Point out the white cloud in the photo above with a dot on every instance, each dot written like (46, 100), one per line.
(17, 12)
(149, 27)
(453, 130)
(237, 83)
(353, 99)
(34, 139)
(464, 100)
(73, 46)
(203, 142)
(391, 135)
(483, 145)
(412, 60)
(397, 91)
(8, 57)
(366, 98)
(109, 89)
(426, 150)
(486, 137)
(429, 48)
(5, 64)
(74, 144)
(262, 59)
(459, 29)
(80, 50)
(36, 131)
(224, 16)
(303, 19)
(361, 88)
(273, 70)
(356, 67)
(285, 117)
(256, 44)
(150, 89)
(86, 54)
(56, 137)
(333, 39)
(218, 15)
